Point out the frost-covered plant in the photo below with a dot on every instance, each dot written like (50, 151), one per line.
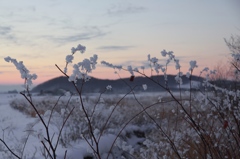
(48, 139)
(25, 73)
(182, 124)
(210, 134)
(81, 69)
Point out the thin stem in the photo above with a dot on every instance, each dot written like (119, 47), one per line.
(53, 109)
(49, 153)
(85, 113)
(10, 149)
(60, 132)
(131, 121)
(105, 125)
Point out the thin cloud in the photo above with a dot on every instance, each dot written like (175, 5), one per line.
(32, 56)
(77, 37)
(122, 10)
(4, 30)
(5, 66)
(6, 33)
(114, 47)
(133, 63)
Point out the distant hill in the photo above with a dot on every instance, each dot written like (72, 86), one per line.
(95, 85)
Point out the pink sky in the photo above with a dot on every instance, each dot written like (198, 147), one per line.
(121, 32)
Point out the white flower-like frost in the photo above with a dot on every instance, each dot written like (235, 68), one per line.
(144, 87)
(25, 73)
(109, 87)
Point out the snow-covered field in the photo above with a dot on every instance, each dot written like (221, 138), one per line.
(23, 133)
(13, 127)
(120, 124)
(16, 129)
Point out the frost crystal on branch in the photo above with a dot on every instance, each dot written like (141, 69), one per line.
(205, 69)
(178, 78)
(170, 54)
(154, 60)
(130, 70)
(188, 75)
(149, 56)
(164, 53)
(81, 69)
(109, 87)
(193, 64)
(25, 73)
(144, 87)
(80, 48)
(177, 66)
(69, 58)
(111, 65)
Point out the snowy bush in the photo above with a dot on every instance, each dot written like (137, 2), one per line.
(203, 122)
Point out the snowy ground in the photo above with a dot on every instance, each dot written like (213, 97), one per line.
(18, 128)
(13, 124)
(140, 134)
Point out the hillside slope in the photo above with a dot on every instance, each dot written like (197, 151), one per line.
(95, 85)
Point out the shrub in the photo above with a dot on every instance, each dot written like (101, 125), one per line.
(198, 123)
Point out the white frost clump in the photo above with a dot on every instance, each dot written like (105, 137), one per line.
(69, 58)
(177, 66)
(149, 56)
(80, 48)
(205, 69)
(193, 64)
(130, 70)
(88, 64)
(94, 60)
(164, 53)
(144, 87)
(81, 69)
(178, 78)
(188, 75)
(161, 67)
(25, 73)
(67, 93)
(109, 87)
(169, 53)
(154, 60)
(160, 99)
(111, 65)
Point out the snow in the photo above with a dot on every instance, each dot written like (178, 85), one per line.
(13, 123)
(17, 127)
(195, 84)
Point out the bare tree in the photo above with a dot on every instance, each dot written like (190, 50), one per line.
(234, 46)
(233, 43)
(222, 74)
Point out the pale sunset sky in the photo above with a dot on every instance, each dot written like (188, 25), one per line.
(123, 32)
